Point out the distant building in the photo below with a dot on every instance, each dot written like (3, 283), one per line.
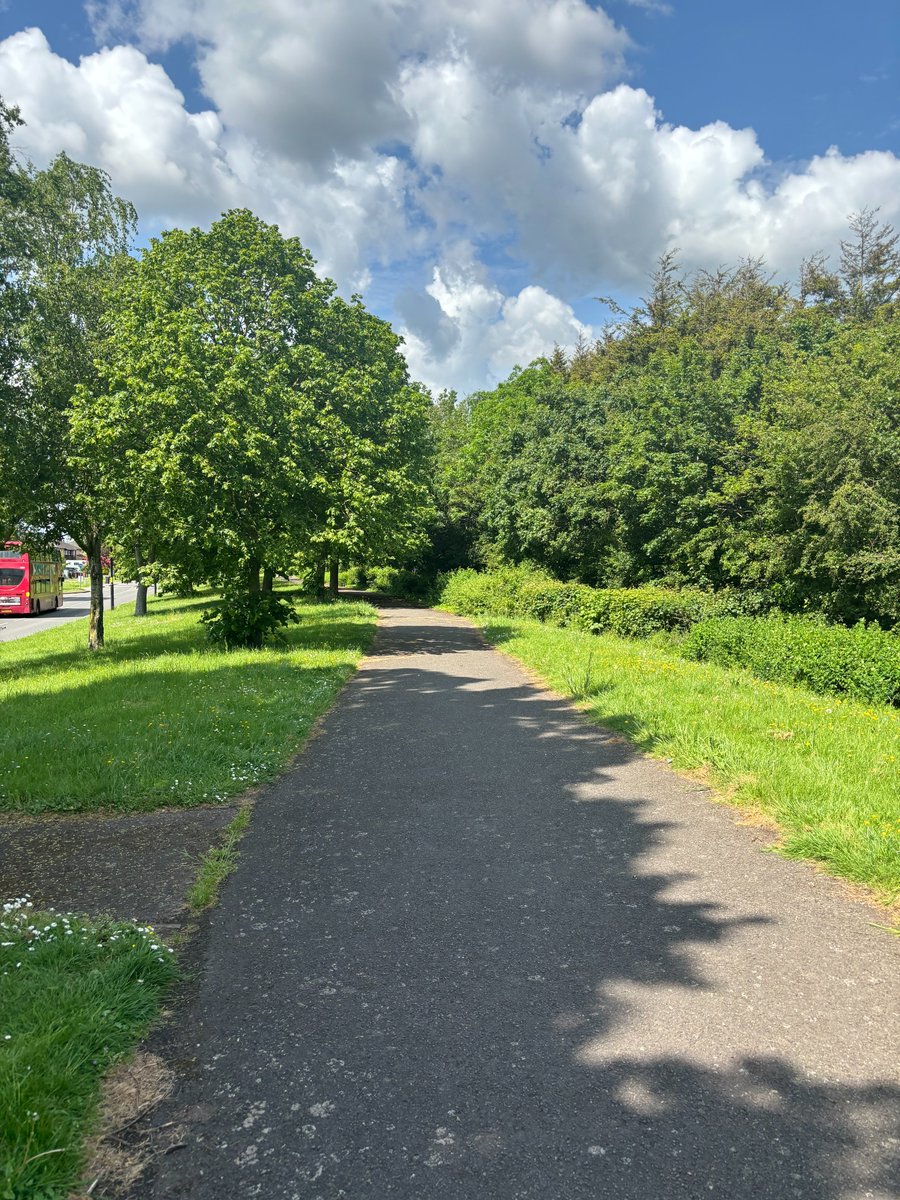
(70, 550)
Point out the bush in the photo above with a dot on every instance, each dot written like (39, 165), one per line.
(862, 661)
(247, 619)
(399, 582)
(640, 612)
(515, 592)
(353, 577)
(525, 592)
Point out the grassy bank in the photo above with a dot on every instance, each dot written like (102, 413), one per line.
(824, 769)
(159, 717)
(75, 995)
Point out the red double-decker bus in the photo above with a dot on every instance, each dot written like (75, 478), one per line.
(29, 582)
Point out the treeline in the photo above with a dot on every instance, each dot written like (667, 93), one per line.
(209, 410)
(730, 432)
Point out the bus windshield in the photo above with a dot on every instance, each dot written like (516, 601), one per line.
(11, 576)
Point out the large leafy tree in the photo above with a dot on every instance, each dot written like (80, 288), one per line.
(212, 371)
(64, 236)
(248, 414)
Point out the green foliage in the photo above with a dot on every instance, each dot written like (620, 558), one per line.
(629, 612)
(75, 996)
(862, 661)
(161, 717)
(398, 581)
(64, 238)
(725, 437)
(640, 612)
(249, 417)
(512, 591)
(247, 619)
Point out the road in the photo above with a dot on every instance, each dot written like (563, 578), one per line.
(76, 605)
(476, 949)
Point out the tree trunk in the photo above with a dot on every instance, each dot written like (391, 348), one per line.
(268, 580)
(140, 600)
(95, 621)
(319, 580)
(333, 571)
(253, 566)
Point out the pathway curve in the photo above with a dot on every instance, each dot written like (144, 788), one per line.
(477, 950)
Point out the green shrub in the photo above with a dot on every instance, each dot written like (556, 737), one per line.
(353, 577)
(247, 619)
(399, 582)
(640, 612)
(525, 592)
(515, 592)
(863, 661)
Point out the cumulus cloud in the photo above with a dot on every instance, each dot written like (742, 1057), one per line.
(462, 331)
(402, 139)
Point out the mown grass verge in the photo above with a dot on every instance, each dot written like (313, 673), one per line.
(823, 769)
(159, 717)
(75, 996)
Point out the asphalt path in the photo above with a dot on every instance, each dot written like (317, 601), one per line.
(75, 606)
(476, 949)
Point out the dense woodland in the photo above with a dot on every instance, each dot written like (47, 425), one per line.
(730, 432)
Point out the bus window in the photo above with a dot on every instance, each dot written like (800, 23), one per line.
(11, 576)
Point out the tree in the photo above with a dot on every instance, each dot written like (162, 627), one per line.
(870, 264)
(374, 445)
(63, 234)
(211, 373)
(248, 414)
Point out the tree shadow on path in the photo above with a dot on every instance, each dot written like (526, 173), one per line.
(453, 965)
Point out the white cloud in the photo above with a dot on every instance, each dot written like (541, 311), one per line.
(463, 332)
(394, 135)
(651, 6)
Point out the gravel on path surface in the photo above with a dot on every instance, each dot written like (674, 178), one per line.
(475, 948)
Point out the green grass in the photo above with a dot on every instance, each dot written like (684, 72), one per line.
(824, 769)
(75, 996)
(76, 585)
(217, 864)
(159, 717)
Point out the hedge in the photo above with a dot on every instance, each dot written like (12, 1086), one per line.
(628, 612)
(861, 661)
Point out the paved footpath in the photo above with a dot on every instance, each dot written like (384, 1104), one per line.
(477, 950)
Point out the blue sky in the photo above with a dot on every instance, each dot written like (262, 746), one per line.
(805, 74)
(479, 172)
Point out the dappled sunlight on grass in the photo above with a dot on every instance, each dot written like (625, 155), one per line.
(159, 717)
